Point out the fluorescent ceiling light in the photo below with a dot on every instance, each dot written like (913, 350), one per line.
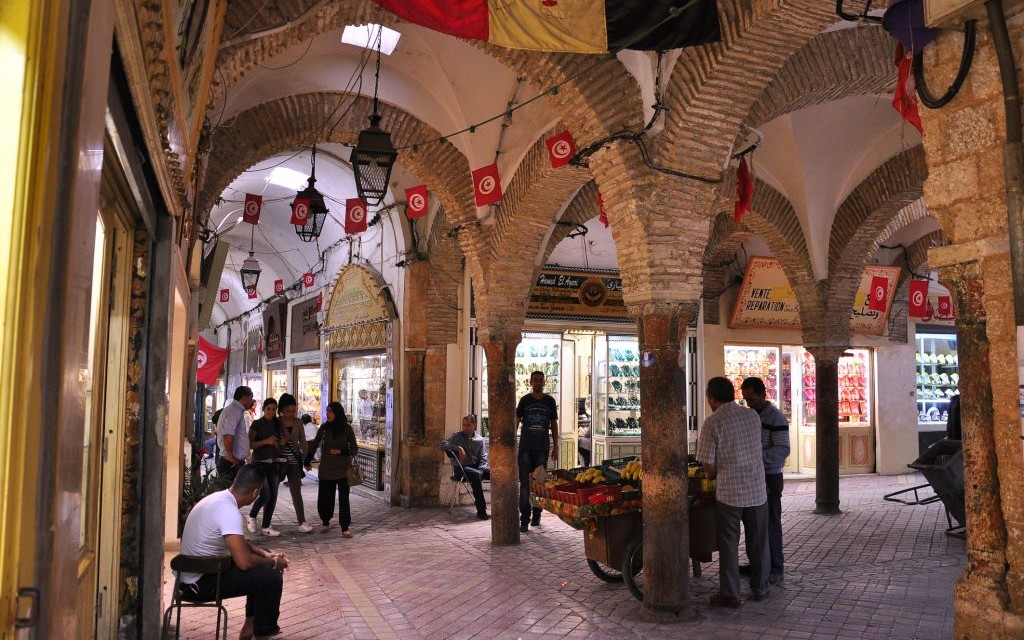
(365, 36)
(288, 178)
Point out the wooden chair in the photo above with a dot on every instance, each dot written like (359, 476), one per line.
(179, 599)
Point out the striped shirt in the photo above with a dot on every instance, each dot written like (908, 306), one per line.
(731, 440)
(774, 438)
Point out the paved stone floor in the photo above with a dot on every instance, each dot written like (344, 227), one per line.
(879, 570)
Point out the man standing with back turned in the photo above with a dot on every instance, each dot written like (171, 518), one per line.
(233, 434)
(538, 415)
(729, 447)
(775, 447)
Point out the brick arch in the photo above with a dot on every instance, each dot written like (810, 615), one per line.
(594, 105)
(291, 122)
(831, 66)
(917, 253)
(725, 239)
(444, 256)
(712, 87)
(581, 209)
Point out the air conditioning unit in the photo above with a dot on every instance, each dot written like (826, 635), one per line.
(952, 14)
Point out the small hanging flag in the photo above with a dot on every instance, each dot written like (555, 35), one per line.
(904, 100)
(602, 216)
(307, 279)
(320, 299)
(300, 212)
(744, 190)
(561, 148)
(225, 295)
(253, 204)
(918, 298)
(879, 293)
(209, 358)
(278, 287)
(417, 199)
(252, 293)
(355, 215)
(946, 307)
(487, 185)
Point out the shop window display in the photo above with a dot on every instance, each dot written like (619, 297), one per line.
(854, 388)
(760, 362)
(362, 390)
(937, 376)
(621, 392)
(307, 389)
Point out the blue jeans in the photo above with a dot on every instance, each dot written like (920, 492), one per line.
(529, 459)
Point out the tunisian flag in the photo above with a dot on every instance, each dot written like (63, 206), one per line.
(417, 199)
(918, 298)
(744, 190)
(487, 185)
(210, 359)
(879, 294)
(561, 149)
(253, 204)
(574, 26)
(904, 99)
(355, 215)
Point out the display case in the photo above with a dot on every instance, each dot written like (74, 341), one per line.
(538, 352)
(359, 383)
(307, 389)
(856, 408)
(937, 377)
(277, 383)
(616, 420)
(742, 362)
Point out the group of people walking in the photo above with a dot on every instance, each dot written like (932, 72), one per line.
(276, 443)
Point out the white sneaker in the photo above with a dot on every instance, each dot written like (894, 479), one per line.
(250, 524)
(272, 532)
(305, 527)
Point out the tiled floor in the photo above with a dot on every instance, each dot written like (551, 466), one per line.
(879, 570)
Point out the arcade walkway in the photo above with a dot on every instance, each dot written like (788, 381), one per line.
(879, 570)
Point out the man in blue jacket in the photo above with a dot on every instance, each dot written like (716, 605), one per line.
(775, 445)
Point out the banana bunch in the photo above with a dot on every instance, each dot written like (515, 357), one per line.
(633, 471)
(593, 474)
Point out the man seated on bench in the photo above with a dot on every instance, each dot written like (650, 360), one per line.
(468, 447)
(214, 528)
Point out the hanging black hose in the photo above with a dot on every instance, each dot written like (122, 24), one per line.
(966, 57)
(857, 17)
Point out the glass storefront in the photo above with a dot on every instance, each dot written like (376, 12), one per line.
(359, 382)
(307, 389)
(277, 383)
(937, 377)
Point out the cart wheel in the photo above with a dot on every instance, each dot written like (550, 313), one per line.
(633, 567)
(605, 573)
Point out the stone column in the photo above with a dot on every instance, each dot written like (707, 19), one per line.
(666, 513)
(826, 427)
(501, 414)
(416, 472)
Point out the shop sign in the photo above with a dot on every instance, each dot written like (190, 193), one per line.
(305, 328)
(766, 299)
(273, 326)
(357, 297)
(573, 294)
(864, 319)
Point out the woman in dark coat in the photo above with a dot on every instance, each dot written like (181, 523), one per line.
(338, 449)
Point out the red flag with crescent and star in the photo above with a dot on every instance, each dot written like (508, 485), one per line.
(209, 358)
(225, 295)
(251, 212)
(946, 307)
(307, 279)
(561, 149)
(278, 287)
(417, 199)
(300, 212)
(487, 185)
(879, 293)
(355, 215)
(918, 299)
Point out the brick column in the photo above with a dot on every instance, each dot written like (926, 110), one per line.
(501, 411)
(666, 513)
(826, 427)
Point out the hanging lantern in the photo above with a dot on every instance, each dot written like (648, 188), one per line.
(372, 160)
(250, 273)
(316, 209)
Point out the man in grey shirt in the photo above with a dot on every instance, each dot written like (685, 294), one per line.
(775, 450)
(233, 434)
(468, 449)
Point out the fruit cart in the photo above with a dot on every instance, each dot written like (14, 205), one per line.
(607, 507)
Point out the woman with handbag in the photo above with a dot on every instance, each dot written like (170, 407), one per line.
(266, 441)
(338, 449)
(294, 451)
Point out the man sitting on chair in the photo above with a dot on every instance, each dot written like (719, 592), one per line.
(469, 449)
(214, 528)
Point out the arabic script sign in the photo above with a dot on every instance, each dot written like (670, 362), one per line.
(767, 300)
(357, 298)
(574, 294)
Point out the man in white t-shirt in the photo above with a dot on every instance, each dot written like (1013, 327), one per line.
(214, 528)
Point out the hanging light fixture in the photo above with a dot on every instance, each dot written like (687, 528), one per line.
(250, 271)
(373, 156)
(317, 208)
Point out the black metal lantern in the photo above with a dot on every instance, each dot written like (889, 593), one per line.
(374, 155)
(317, 208)
(250, 273)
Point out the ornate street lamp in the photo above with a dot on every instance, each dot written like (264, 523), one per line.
(250, 273)
(316, 213)
(374, 155)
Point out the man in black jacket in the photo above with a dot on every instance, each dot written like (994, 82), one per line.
(468, 448)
